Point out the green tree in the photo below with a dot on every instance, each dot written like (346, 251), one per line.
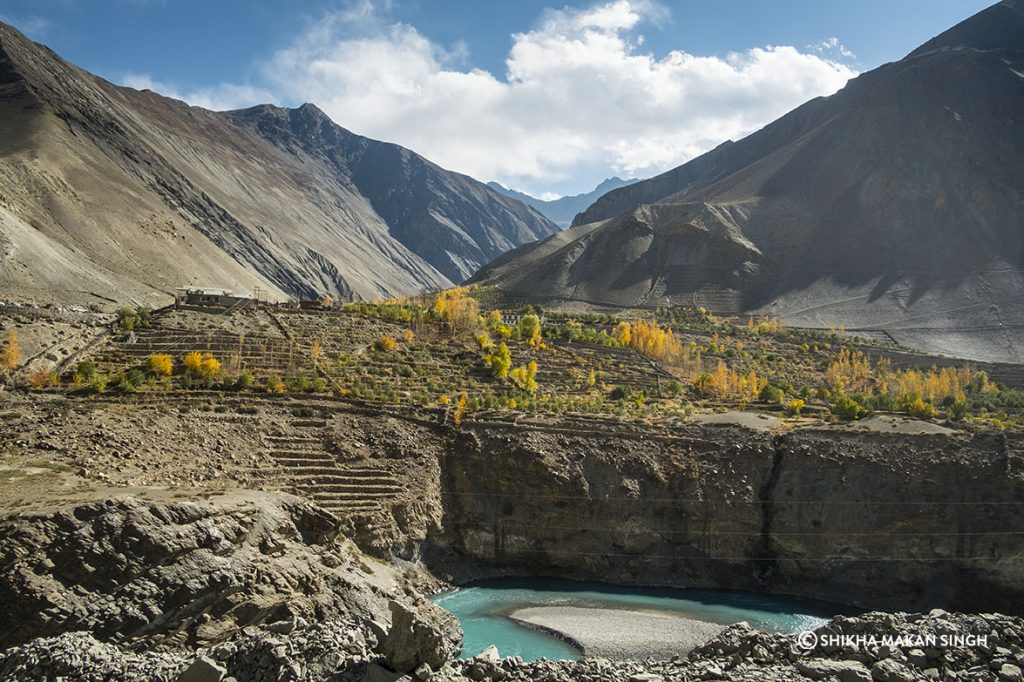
(771, 394)
(847, 409)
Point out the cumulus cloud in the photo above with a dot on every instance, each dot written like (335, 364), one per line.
(578, 93)
(222, 97)
(579, 99)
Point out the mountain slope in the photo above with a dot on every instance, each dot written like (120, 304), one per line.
(450, 220)
(118, 194)
(897, 203)
(564, 209)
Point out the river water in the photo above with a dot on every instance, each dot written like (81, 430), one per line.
(483, 607)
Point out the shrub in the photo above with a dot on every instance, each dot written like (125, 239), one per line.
(592, 379)
(161, 364)
(771, 394)
(704, 383)
(12, 351)
(131, 380)
(85, 370)
(847, 409)
(918, 408)
(672, 388)
(98, 384)
(408, 335)
(956, 411)
(619, 393)
(41, 378)
(245, 380)
(386, 343)
(794, 407)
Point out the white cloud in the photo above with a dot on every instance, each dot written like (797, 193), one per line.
(832, 46)
(579, 98)
(578, 93)
(223, 97)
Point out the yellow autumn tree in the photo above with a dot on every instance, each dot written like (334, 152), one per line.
(161, 364)
(386, 343)
(210, 367)
(457, 308)
(460, 409)
(192, 362)
(202, 365)
(12, 351)
(500, 360)
(530, 329)
(525, 377)
(848, 372)
(725, 383)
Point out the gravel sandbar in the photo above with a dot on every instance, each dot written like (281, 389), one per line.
(619, 634)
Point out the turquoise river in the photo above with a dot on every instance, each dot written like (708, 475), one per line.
(483, 607)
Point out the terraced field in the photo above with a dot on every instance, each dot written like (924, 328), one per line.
(345, 488)
(366, 353)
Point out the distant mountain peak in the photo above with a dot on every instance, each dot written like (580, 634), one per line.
(564, 209)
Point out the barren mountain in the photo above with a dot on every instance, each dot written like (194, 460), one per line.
(111, 193)
(896, 204)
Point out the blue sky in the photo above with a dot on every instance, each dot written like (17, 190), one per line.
(548, 97)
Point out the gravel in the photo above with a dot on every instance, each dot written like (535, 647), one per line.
(620, 634)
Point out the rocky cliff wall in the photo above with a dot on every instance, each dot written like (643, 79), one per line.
(890, 517)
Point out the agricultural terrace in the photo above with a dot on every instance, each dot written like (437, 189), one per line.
(446, 349)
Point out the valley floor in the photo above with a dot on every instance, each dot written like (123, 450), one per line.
(290, 533)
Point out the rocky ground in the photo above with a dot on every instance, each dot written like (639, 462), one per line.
(187, 572)
(342, 650)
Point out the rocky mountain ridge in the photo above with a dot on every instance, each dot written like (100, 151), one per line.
(127, 195)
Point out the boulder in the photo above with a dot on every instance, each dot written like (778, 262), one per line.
(845, 671)
(417, 636)
(203, 669)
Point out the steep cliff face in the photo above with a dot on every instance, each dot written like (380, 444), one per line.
(878, 519)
